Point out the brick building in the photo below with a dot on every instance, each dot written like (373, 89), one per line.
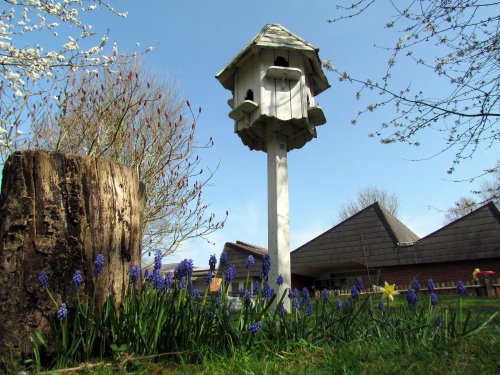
(378, 247)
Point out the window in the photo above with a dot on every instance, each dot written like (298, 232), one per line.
(249, 95)
(281, 61)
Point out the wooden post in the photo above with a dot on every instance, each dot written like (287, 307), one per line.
(278, 218)
(57, 213)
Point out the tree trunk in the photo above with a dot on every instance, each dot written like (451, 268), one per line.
(57, 213)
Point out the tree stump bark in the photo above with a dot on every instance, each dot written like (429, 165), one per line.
(57, 213)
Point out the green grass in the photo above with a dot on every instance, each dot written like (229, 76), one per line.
(476, 354)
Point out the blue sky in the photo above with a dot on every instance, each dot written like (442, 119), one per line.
(195, 39)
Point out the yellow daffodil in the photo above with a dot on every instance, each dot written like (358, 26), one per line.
(388, 291)
(474, 274)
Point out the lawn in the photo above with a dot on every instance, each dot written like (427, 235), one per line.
(474, 354)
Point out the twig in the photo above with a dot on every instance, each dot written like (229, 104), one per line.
(100, 364)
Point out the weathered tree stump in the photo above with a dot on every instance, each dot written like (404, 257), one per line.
(57, 213)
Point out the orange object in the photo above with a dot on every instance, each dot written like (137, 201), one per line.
(215, 285)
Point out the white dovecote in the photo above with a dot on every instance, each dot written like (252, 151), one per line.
(274, 81)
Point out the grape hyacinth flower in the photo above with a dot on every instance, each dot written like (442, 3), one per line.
(324, 294)
(230, 274)
(430, 286)
(461, 289)
(381, 306)
(306, 298)
(434, 299)
(77, 280)
(291, 294)
(208, 278)
(250, 262)
(157, 279)
(266, 292)
(266, 266)
(195, 294)
(241, 292)
(158, 257)
(43, 279)
(135, 273)
(223, 260)
(281, 309)
(182, 283)
(168, 281)
(146, 275)
(212, 262)
(62, 313)
(347, 305)
(248, 299)
(255, 287)
(354, 292)
(411, 297)
(339, 304)
(254, 328)
(295, 303)
(184, 269)
(279, 280)
(359, 284)
(415, 285)
(98, 264)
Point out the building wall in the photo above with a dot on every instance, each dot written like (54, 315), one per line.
(438, 272)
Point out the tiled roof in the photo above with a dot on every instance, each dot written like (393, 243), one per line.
(239, 245)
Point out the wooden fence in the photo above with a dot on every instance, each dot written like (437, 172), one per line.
(483, 287)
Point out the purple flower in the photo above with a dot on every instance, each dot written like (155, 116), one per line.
(415, 285)
(411, 297)
(77, 280)
(324, 294)
(309, 310)
(157, 279)
(291, 294)
(248, 299)
(306, 298)
(347, 305)
(212, 262)
(223, 260)
(339, 304)
(281, 309)
(295, 303)
(208, 278)
(184, 269)
(266, 293)
(62, 313)
(354, 292)
(168, 280)
(98, 264)
(254, 328)
(241, 292)
(195, 294)
(230, 274)
(279, 280)
(158, 257)
(255, 289)
(250, 262)
(182, 283)
(381, 306)
(359, 284)
(146, 275)
(461, 289)
(434, 299)
(430, 286)
(135, 273)
(266, 266)
(43, 279)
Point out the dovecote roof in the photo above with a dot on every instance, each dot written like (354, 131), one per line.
(276, 36)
